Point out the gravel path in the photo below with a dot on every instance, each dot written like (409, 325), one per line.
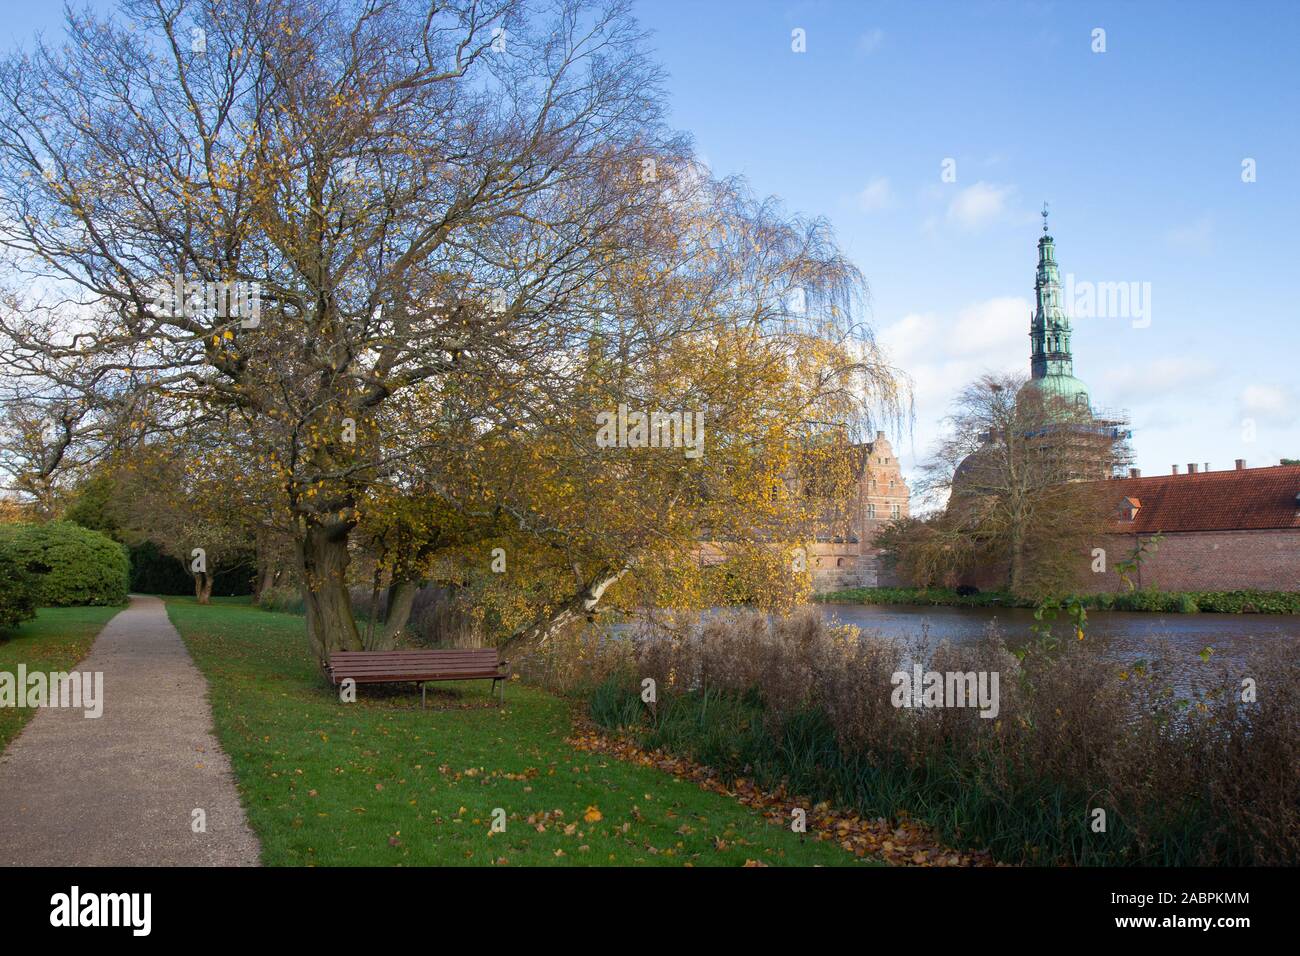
(121, 790)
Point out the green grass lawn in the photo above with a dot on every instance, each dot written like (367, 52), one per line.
(382, 782)
(55, 641)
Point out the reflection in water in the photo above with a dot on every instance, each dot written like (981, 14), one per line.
(1123, 635)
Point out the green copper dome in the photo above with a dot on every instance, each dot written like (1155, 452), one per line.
(1067, 388)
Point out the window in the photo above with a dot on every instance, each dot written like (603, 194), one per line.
(871, 511)
(895, 511)
(839, 562)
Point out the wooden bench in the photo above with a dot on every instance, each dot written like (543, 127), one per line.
(418, 667)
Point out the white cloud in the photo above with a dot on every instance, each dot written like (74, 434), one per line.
(994, 328)
(943, 352)
(1197, 237)
(876, 196)
(907, 340)
(978, 205)
(870, 41)
(988, 335)
(1269, 402)
(1156, 379)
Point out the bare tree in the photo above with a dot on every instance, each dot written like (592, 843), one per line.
(1018, 470)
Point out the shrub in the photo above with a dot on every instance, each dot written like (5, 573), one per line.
(17, 593)
(1248, 602)
(960, 597)
(443, 617)
(1100, 602)
(577, 661)
(69, 564)
(283, 599)
(1147, 599)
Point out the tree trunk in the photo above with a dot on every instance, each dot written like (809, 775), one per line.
(266, 579)
(323, 554)
(203, 587)
(582, 603)
(401, 597)
(1015, 573)
(265, 567)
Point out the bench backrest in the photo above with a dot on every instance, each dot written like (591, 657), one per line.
(375, 666)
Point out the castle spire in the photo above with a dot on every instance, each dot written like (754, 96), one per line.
(1050, 329)
(1051, 362)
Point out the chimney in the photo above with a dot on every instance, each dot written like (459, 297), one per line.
(1175, 471)
(1241, 464)
(1207, 466)
(880, 436)
(1135, 472)
(1191, 467)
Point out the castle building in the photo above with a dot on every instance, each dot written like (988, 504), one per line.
(846, 558)
(1204, 530)
(1199, 530)
(881, 496)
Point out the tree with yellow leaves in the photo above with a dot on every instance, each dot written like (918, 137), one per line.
(396, 260)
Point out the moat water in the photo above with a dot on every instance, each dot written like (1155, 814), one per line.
(1178, 640)
(1123, 635)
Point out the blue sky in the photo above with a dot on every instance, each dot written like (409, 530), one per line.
(1138, 149)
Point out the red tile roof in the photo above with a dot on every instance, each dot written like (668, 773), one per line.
(1249, 499)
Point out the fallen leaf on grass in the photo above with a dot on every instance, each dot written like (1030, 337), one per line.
(902, 843)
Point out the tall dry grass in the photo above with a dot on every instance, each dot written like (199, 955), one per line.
(1187, 772)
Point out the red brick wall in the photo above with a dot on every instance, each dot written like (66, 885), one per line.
(1206, 561)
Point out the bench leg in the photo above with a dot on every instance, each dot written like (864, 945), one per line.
(423, 688)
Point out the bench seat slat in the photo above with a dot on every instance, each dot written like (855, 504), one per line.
(428, 674)
(476, 665)
(417, 665)
(414, 678)
(433, 666)
(365, 660)
(427, 662)
(393, 655)
(414, 671)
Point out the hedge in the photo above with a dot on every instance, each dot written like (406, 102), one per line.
(1191, 602)
(69, 564)
(17, 593)
(153, 572)
(1148, 599)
